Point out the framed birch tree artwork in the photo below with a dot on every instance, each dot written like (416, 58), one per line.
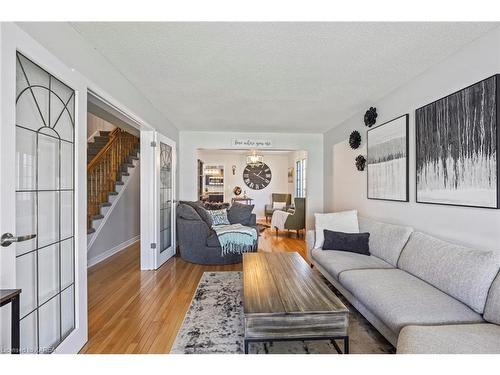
(457, 140)
(387, 163)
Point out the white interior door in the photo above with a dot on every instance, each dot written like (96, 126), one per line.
(165, 199)
(42, 166)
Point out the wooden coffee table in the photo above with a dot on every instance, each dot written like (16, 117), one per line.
(284, 300)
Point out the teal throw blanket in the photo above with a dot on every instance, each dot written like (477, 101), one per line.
(236, 238)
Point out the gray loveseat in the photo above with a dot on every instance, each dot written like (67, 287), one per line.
(198, 242)
(423, 294)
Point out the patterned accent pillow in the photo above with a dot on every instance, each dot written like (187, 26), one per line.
(219, 217)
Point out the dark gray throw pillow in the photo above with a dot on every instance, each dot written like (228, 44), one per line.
(240, 213)
(352, 242)
(186, 212)
(200, 210)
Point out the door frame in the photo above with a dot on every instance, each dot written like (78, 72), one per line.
(14, 40)
(147, 173)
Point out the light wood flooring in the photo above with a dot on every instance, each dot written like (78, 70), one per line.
(133, 311)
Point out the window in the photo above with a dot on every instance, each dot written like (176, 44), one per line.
(300, 178)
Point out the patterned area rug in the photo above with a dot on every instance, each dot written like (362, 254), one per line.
(214, 324)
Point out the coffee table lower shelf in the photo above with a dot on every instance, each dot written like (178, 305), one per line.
(297, 327)
(336, 346)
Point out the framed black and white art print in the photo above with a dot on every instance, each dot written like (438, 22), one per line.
(457, 140)
(387, 163)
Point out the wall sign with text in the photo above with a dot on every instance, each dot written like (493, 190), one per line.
(251, 143)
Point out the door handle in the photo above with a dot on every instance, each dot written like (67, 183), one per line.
(8, 238)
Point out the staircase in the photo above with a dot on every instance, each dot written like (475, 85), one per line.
(97, 145)
(109, 158)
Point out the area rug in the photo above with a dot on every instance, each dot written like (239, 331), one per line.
(214, 324)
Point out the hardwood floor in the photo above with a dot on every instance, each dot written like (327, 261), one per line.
(133, 311)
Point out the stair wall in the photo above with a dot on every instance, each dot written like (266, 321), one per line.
(121, 227)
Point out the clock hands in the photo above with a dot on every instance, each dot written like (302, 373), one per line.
(258, 175)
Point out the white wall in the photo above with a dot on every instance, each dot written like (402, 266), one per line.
(95, 123)
(345, 187)
(278, 163)
(190, 142)
(122, 227)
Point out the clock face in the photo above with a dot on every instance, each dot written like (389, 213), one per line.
(257, 177)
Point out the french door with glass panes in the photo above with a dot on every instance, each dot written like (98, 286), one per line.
(41, 252)
(165, 199)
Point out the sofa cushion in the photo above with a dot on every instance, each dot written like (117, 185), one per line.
(187, 212)
(492, 307)
(386, 240)
(463, 273)
(450, 339)
(240, 213)
(400, 299)
(344, 221)
(336, 262)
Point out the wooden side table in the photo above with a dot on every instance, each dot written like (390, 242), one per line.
(247, 200)
(12, 296)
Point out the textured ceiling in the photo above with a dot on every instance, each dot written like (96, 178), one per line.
(276, 77)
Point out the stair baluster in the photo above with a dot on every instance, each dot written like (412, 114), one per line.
(104, 170)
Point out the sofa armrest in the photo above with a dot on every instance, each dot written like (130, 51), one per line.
(310, 239)
(253, 220)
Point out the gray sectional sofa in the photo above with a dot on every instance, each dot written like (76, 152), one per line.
(198, 242)
(423, 294)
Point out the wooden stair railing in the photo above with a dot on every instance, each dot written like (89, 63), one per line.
(104, 170)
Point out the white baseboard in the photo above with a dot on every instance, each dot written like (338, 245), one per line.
(112, 251)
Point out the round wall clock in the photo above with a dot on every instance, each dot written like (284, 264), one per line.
(257, 177)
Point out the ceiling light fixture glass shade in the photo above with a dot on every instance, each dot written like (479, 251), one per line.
(255, 159)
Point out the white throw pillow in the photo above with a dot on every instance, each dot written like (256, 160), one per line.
(278, 205)
(344, 221)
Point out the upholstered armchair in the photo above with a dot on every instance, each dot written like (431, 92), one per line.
(297, 220)
(277, 198)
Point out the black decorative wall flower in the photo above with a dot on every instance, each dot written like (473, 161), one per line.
(371, 117)
(355, 139)
(360, 162)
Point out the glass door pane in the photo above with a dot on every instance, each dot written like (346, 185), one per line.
(45, 114)
(165, 197)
